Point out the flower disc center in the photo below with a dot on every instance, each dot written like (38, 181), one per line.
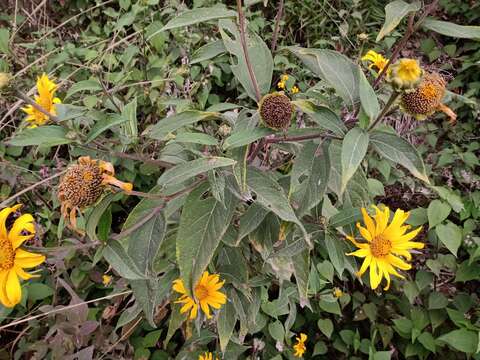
(380, 246)
(7, 255)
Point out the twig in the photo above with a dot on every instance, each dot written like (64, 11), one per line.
(122, 338)
(255, 151)
(18, 322)
(411, 29)
(139, 224)
(280, 139)
(25, 98)
(5, 202)
(243, 40)
(387, 107)
(276, 30)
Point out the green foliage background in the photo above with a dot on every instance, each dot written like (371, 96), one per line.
(163, 92)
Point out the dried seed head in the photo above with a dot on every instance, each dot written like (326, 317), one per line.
(82, 185)
(426, 98)
(276, 110)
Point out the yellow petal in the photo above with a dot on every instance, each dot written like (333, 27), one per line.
(368, 222)
(4, 214)
(23, 223)
(375, 276)
(27, 260)
(397, 262)
(12, 288)
(205, 309)
(365, 265)
(407, 237)
(365, 233)
(360, 253)
(3, 293)
(23, 274)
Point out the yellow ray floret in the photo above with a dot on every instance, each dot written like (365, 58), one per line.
(206, 294)
(207, 356)
(46, 99)
(376, 60)
(13, 259)
(385, 245)
(300, 346)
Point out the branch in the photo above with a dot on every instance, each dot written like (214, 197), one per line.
(243, 41)
(280, 139)
(276, 31)
(29, 101)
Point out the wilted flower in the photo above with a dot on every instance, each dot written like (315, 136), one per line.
(276, 110)
(83, 184)
(376, 60)
(426, 99)
(384, 242)
(14, 260)
(206, 294)
(300, 346)
(46, 99)
(405, 74)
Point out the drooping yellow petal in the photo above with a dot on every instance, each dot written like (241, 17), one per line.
(23, 223)
(365, 265)
(375, 277)
(368, 222)
(3, 292)
(4, 214)
(26, 259)
(12, 287)
(365, 233)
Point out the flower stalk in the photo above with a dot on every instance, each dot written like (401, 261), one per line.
(386, 108)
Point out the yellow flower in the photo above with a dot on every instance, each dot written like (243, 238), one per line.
(206, 294)
(46, 99)
(207, 356)
(405, 74)
(281, 85)
(377, 60)
(13, 259)
(84, 183)
(385, 242)
(300, 346)
(106, 279)
(284, 78)
(295, 90)
(337, 292)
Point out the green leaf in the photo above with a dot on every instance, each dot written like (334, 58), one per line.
(227, 318)
(259, 55)
(323, 116)
(104, 124)
(96, 214)
(462, 340)
(202, 225)
(196, 138)
(382, 355)
(449, 196)
(395, 11)
(84, 85)
(176, 320)
(313, 165)
(437, 300)
(450, 235)
(326, 327)
(190, 169)
(333, 67)
(437, 212)
(368, 98)
(208, 51)
(197, 16)
(251, 219)
(345, 217)
(39, 291)
(117, 257)
(400, 151)
(354, 148)
(336, 253)
(272, 197)
(330, 306)
(451, 29)
(4, 39)
(301, 266)
(164, 127)
(47, 136)
(244, 137)
(276, 330)
(427, 340)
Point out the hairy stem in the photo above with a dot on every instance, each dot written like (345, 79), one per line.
(276, 30)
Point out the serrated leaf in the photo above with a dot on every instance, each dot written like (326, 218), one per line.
(333, 67)
(227, 318)
(202, 225)
(259, 54)
(84, 85)
(395, 11)
(450, 235)
(354, 149)
(190, 169)
(244, 137)
(196, 16)
(47, 136)
(462, 340)
(165, 126)
(118, 258)
(400, 151)
(368, 98)
(437, 212)
(208, 51)
(272, 197)
(450, 29)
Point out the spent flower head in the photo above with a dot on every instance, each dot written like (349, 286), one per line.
(276, 110)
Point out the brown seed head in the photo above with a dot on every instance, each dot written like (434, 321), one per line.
(81, 185)
(426, 98)
(276, 111)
